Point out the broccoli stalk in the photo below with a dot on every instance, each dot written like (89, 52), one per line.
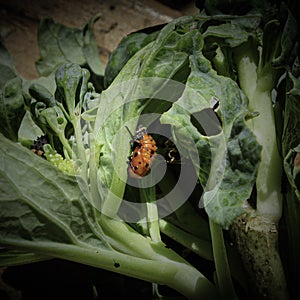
(257, 83)
(256, 232)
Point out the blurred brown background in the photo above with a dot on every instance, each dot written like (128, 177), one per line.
(19, 21)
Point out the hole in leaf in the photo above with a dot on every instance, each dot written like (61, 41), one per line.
(207, 122)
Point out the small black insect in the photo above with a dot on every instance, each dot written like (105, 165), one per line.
(38, 146)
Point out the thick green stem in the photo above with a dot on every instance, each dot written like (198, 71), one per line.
(132, 243)
(179, 276)
(201, 247)
(257, 235)
(129, 241)
(153, 222)
(221, 262)
(268, 182)
(257, 85)
(148, 197)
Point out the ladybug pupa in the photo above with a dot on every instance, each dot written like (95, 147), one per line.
(141, 159)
